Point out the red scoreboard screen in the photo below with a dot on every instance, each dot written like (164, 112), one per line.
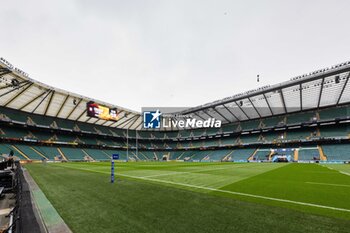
(102, 112)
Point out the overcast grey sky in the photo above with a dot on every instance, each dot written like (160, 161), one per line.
(171, 53)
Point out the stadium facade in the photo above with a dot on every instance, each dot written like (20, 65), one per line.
(303, 119)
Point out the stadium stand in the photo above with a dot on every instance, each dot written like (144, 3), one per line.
(218, 155)
(262, 155)
(97, 154)
(241, 154)
(64, 131)
(307, 154)
(73, 153)
(49, 152)
(337, 152)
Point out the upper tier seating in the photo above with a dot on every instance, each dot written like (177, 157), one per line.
(173, 134)
(160, 135)
(300, 117)
(273, 121)
(332, 113)
(249, 138)
(249, 125)
(228, 141)
(230, 128)
(335, 131)
(11, 132)
(298, 134)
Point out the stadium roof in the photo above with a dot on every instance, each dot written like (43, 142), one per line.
(321, 88)
(19, 91)
(318, 89)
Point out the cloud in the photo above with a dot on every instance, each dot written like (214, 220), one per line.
(170, 53)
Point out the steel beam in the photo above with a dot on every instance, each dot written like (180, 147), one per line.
(268, 104)
(320, 95)
(342, 91)
(62, 105)
(19, 94)
(41, 101)
(256, 110)
(75, 107)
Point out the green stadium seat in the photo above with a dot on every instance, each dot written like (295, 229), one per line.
(73, 153)
(249, 138)
(122, 153)
(173, 134)
(211, 142)
(29, 152)
(228, 141)
(97, 154)
(6, 148)
(298, 134)
(273, 121)
(241, 154)
(198, 132)
(262, 155)
(229, 128)
(249, 125)
(12, 132)
(197, 144)
(332, 113)
(337, 152)
(335, 131)
(199, 155)
(175, 154)
(49, 152)
(307, 154)
(218, 155)
(212, 131)
(300, 117)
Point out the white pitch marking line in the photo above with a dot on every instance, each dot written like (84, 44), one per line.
(240, 194)
(226, 191)
(340, 185)
(194, 171)
(345, 173)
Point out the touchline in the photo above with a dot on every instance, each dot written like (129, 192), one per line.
(193, 123)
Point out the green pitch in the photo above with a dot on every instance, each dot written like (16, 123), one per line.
(198, 197)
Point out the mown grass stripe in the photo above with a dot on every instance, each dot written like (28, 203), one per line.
(223, 191)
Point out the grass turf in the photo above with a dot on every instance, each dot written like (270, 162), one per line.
(164, 197)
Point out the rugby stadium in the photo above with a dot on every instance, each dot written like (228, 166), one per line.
(278, 160)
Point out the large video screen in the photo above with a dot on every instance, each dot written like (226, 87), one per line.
(102, 112)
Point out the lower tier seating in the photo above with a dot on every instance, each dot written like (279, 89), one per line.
(241, 154)
(307, 154)
(332, 152)
(338, 152)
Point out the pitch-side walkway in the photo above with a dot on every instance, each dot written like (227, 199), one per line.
(48, 214)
